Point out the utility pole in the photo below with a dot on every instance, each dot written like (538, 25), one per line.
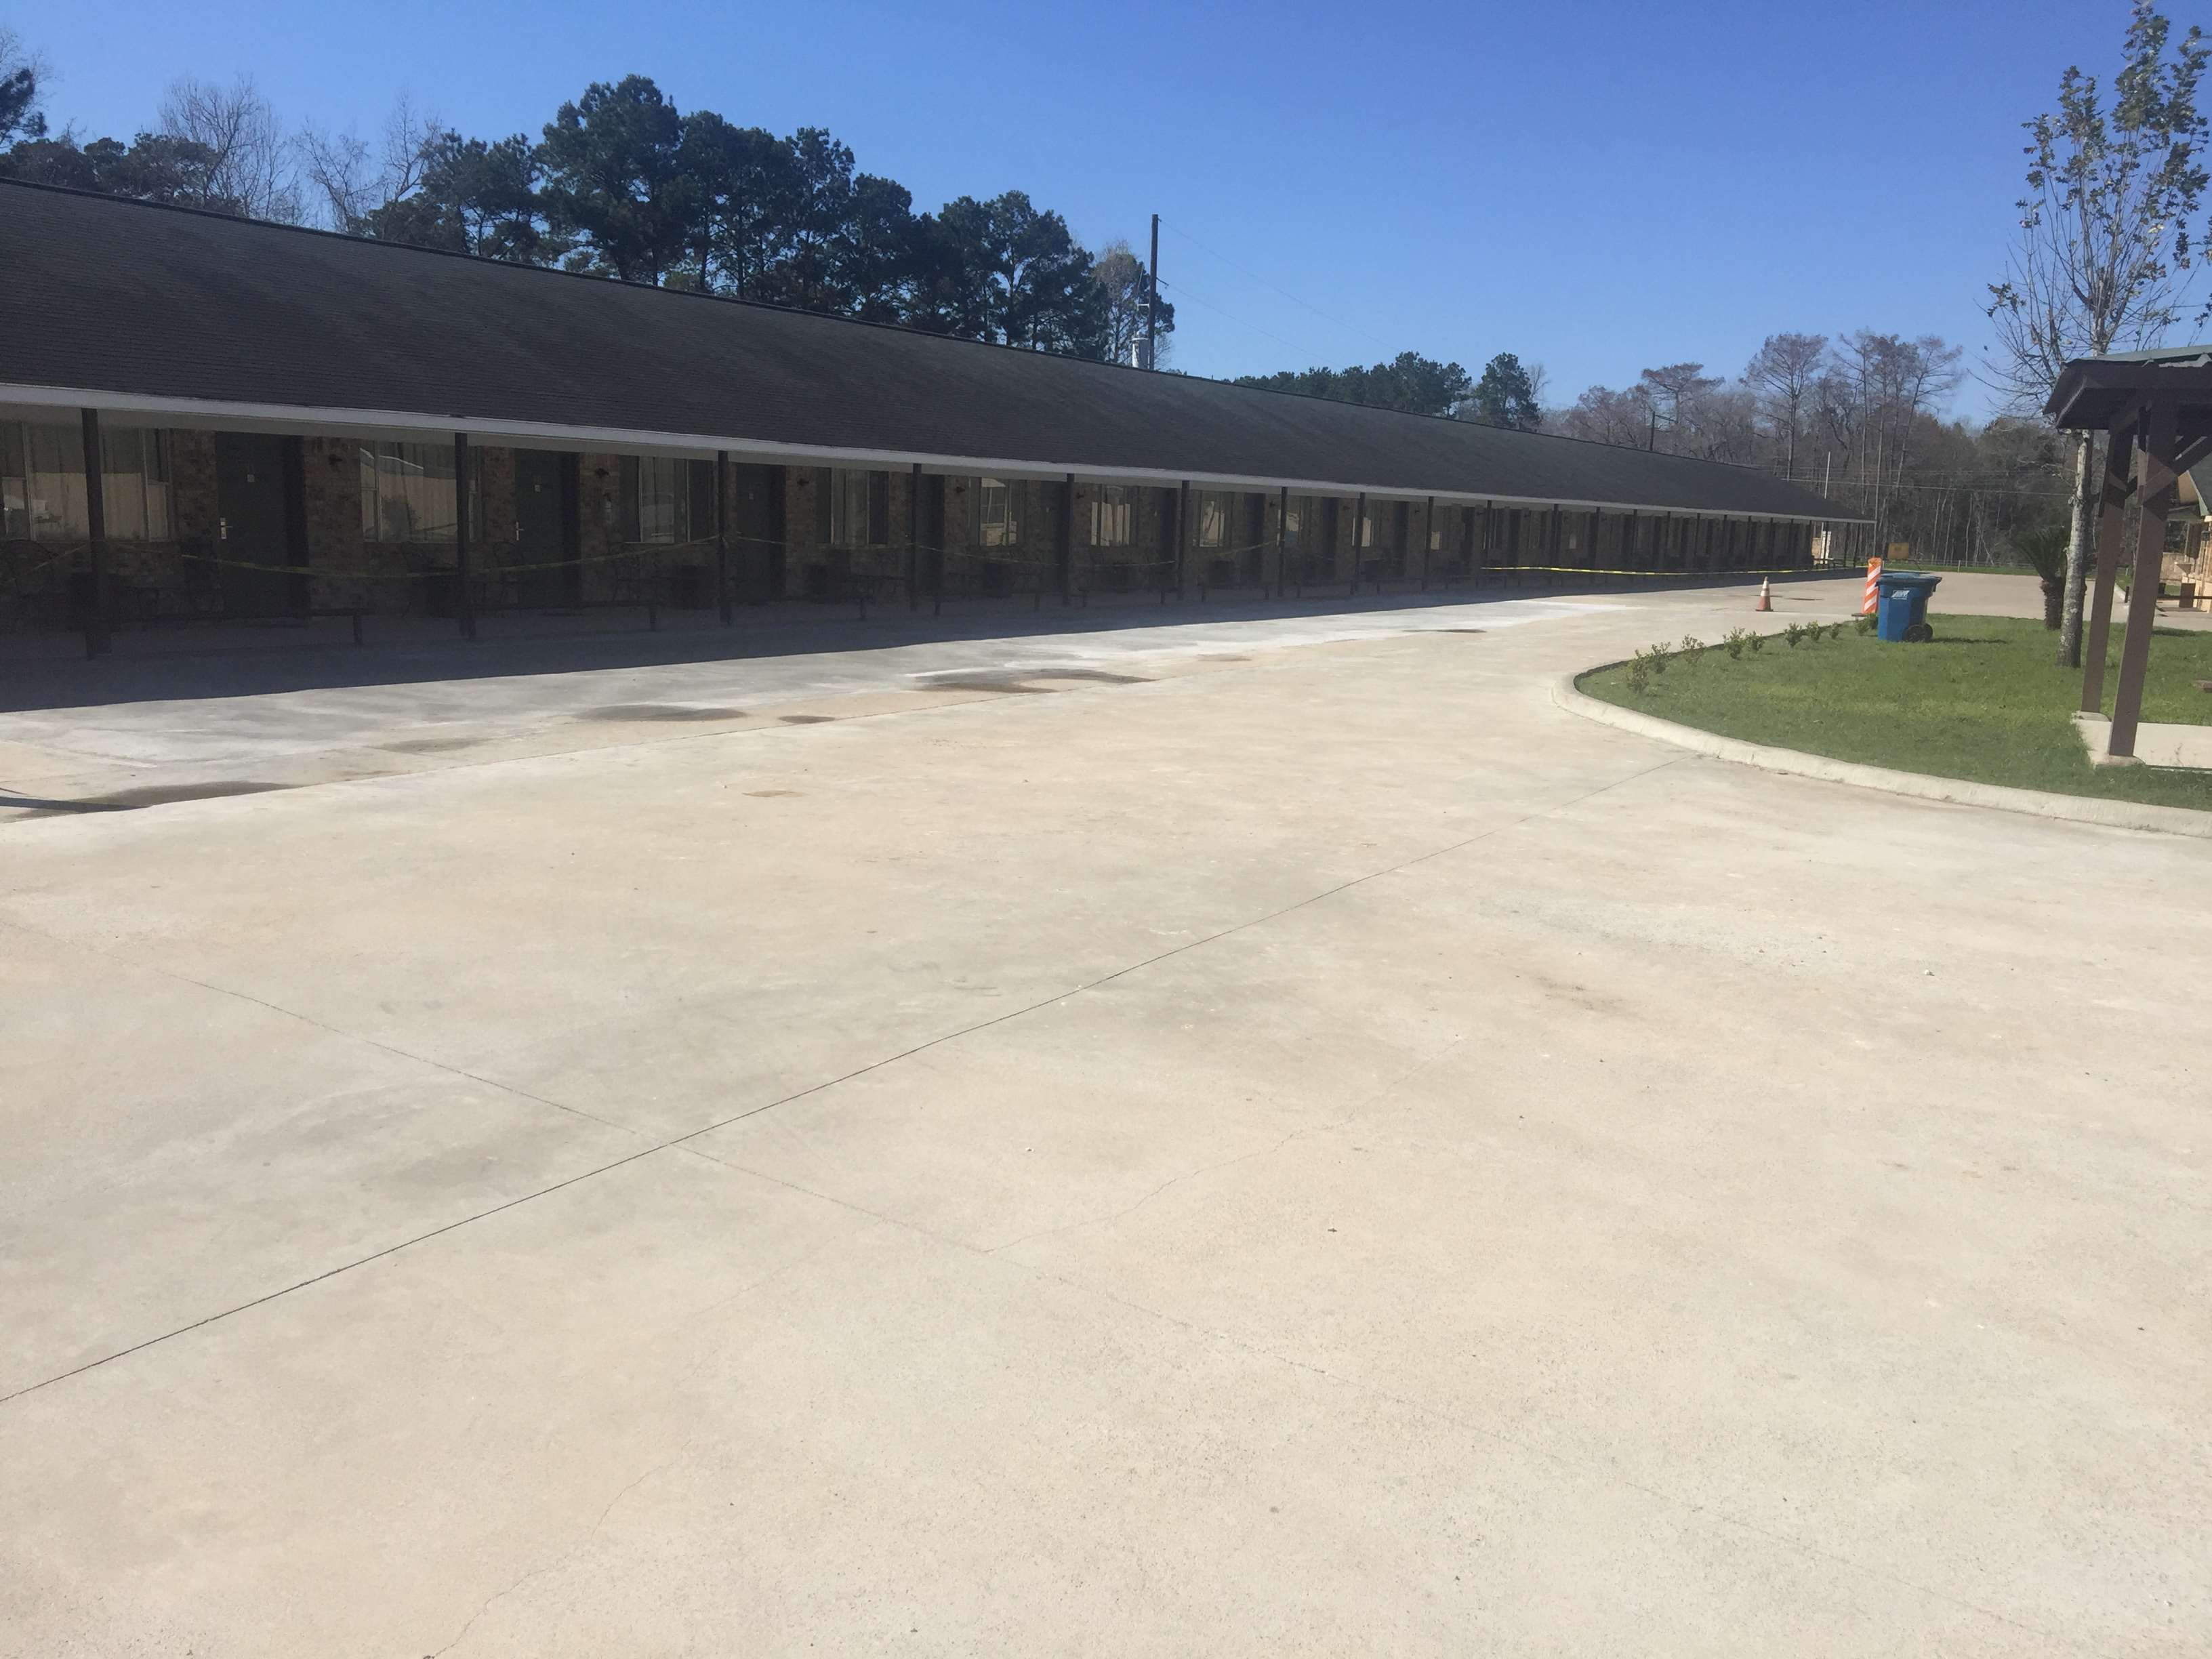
(1152, 302)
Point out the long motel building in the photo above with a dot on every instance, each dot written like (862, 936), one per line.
(204, 416)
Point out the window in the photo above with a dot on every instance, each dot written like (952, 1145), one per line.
(998, 513)
(42, 483)
(1297, 515)
(1444, 524)
(407, 492)
(666, 500)
(1214, 518)
(852, 508)
(1113, 516)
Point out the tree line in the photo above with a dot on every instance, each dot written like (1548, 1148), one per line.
(1508, 394)
(622, 183)
(1861, 418)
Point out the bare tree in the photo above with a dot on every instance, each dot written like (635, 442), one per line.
(355, 186)
(1540, 382)
(249, 167)
(1780, 375)
(2101, 259)
(1122, 282)
(1603, 415)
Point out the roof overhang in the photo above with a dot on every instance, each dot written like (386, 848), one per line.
(2095, 394)
(44, 403)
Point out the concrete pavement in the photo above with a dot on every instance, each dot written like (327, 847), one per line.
(1315, 1153)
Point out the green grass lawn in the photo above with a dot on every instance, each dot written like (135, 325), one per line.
(1981, 700)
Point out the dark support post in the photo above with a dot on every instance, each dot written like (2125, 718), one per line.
(1183, 538)
(2119, 461)
(1359, 540)
(2155, 495)
(464, 606)
(1596, 521)
(1064, 541)
(96, 641)
(1282, 526)
(914, 542)
(1429, 539)
(722, 536)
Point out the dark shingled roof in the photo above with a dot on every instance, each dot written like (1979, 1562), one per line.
(155, 305)
(2093, 393)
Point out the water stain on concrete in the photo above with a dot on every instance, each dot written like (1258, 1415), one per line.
(659, 711)
(429, 745)
(129, 800)
(769, 794)
(1023, 681)
(805, 719)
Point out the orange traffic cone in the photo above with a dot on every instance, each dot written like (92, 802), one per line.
(1766, 599)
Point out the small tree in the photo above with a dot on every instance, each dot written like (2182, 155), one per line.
(2104, 241)
(1506, 395)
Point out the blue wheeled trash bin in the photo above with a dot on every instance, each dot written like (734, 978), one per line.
(1901, 611)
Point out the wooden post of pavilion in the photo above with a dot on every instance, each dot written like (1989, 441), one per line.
(2155, 478)
(2111, 516)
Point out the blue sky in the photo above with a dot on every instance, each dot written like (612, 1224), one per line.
(1597, 187)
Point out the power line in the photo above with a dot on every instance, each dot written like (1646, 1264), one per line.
(1182, 293)
(1265, 283)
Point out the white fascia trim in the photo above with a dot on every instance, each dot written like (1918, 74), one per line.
(287, 418)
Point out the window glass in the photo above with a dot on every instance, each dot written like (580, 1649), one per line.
(54, 482)
(998, 515)
(860, 507)
(1113, 517)
(407, 491)
(1212, 518)
(1444, 529)
(42, 489)
(1297, 513)
(15, 505)
(666, 499)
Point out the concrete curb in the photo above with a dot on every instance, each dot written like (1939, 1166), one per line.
(2072, 809)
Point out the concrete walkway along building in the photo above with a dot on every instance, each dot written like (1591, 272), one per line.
(284, 421)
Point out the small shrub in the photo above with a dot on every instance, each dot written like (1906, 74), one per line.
(1639, 675)
(1732, 643)
(1659, 656)
(1793, 636)
(1692, 648)
(1756, 641)
(1865, 624)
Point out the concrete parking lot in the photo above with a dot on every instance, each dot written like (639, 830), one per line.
(1255, 1135)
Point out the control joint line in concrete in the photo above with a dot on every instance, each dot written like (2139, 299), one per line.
(754, 1111)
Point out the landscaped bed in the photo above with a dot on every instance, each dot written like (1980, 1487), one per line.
(1981, 700)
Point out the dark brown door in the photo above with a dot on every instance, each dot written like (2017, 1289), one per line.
(757, 529)
(259, 527)
(545, 538)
